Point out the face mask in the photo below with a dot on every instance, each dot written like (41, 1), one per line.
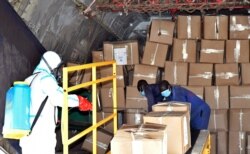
(166, 93)
(142, 93)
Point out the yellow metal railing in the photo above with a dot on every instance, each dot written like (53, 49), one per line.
(64, 124)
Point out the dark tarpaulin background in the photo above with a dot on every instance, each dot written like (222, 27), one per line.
(20, 51)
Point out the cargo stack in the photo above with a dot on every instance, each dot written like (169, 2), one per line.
(208, 55)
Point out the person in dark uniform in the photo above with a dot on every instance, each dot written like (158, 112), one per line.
(163, 92)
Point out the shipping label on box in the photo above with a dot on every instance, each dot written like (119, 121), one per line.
(216, 27)
(217, 97)
(145, 72)
(239, 96)
(162, 31)
(227, 74)
(212, 51)
(197, 90)
(200, 74)
(239, 120)
(178, 129)
(237, 51)
(218, 120)
(140, 139)
(239, 27)
(188, 27)
(245, 73)
(155, 54)
(108, 71)
(176, 72)
(184, 50)
(123, 52)
(237, 142)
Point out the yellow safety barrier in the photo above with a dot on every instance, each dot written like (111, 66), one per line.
(64, 122)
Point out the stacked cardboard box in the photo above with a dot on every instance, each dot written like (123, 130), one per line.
(209, 56)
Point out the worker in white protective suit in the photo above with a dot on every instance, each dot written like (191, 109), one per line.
(42, 139)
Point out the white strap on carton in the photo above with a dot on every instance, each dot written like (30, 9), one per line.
(189, 26)
(206, 75)
(217, 96)
(217, 26)
(184, 51)
(211, 51)
(99, 144)
(226, 75)
(162, 31)
(238, 27)
(175, 73)
(237, 51)
(164, 145)
(131, 53)
(249, 25)
(215, 122)
(152, 59)
(151, 75)
(137, 98)
(185, 130)
(119, 77)
(110, 93)
(241, 97)
(241, 137)
(241, 118)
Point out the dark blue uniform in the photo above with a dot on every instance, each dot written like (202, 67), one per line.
(153, 94)
(200, 111)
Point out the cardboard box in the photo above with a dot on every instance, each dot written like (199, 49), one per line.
(217, 97)
(239, 27)
(123, 52)
(237, 142)
(239, 120)
(97, 56)
(162, 31)
(213, 143)
(176, 72)
(178, 129)
(188, 27)
(155, 54)
(108, 71)
(219, 142)
(171, 106)
(140, 139)
(134, 100)
(227, 74)
(103, 140)
(146, 72)
(107, 98)
(218, 120)
(239, 97)
(248, 144)
(109, 126)
(216, 27)
(134, 116)
(200, 74)
(75, 77)
(184, 50)
(197, 90)
(245, 73)
(237, 51)
(212, 51)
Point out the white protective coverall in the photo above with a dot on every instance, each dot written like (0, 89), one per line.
(42, 140)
